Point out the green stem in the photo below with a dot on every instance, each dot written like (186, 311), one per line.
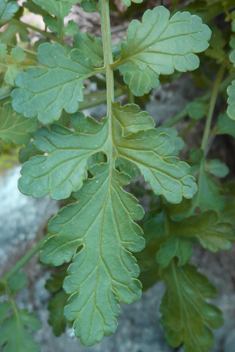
(25, 259)
(108, 61)
(188, 128)
(213, 99)
(103, 99)
(130, 96)
(44, 33)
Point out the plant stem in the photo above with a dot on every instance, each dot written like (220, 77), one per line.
(130, 96)
(188, 128)
(213, 99)
(108, 61)
(44, 33)
(26, 258)
(92, 103)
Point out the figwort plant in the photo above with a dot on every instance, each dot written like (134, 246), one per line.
(104, 255)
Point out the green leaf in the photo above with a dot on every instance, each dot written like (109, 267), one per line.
(27, 152)
(162, 45)
(3, 52)
(63, 170)
(150, 152)
(13, 333)
(231, 100)
(18, 54)
(7, 11)
(15, 127)
(89, 6)
(173, 133)
(217, 44)
(197, 109)
(209, 195)
(91, 47)
(216, 168)
(58, 8)
(139, 81)
(124, 115)
(225, 125)
(45, 92)
(56, 308)
(17, 282)
(210, 231)
(155, 233)
(57, 302)
(231, 92)
(128, 2)
(185, 312)
(103, 271)
(4, 309)
(175, 247)
(71, 29)
(32, 7)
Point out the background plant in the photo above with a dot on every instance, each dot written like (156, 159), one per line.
(88, 162)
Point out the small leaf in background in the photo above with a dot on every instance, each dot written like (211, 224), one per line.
(7, 10)
(216, 168)
(27, 152)
(185, 312)
(45, 92)
(91, 46)
(18, 54)
(17, 282)
(13, 333)
(217, 43)
(175, 247)
(15, 128)
(197, 109)
(58, 301)
(212, 233)
(89, 6)
(162, 44)
(173, 133)
(71, 29)
(56, 308)
(139, 81)
(225, 125)
(128, 2)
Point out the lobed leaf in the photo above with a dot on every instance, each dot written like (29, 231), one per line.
(46, 92)
(210, 231)
(15, 128)
(225, 125)
(161, 44)
(58, 8)
(7, 10)
(185, 312)
(91, 47)
(150, 152)
(175, 247)
(63, 170)
(13, 333)
(103, 271)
